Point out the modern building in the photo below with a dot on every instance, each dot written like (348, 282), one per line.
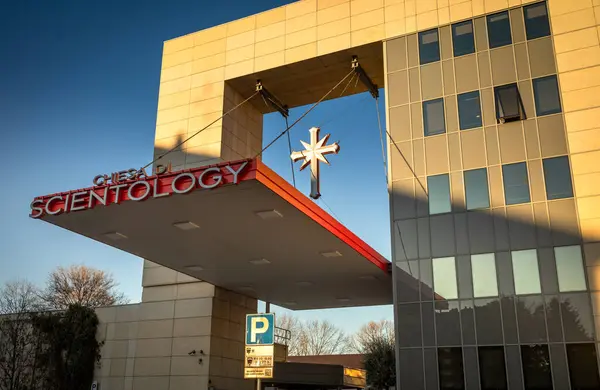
(493, 174)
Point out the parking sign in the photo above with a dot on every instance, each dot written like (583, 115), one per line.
(260, 329)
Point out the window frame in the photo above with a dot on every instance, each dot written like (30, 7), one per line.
(552, 176)
(487, 181)
(453, 28)
(487, 23)
(529, 34)
(429, 192)
(458, 100)
(534, 85)
(427, 103)
(504, 176)
(501, 119)
(420, 44)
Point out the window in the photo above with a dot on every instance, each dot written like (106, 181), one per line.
(485, 283)
(476, 189)
(536, 367)
(557, 173)
(583, 366)
(439, 194)
(444, 278)
(433, 117)
(509, 106)
(462, 38)
(451, 372)
(569, 267)
(492, 368)
(498, 26)
(469, 110)
(429, 46)
(526, 272)
(547, 99)
(516, 183)
(536, 21)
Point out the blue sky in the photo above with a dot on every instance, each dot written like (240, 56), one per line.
(78, 97)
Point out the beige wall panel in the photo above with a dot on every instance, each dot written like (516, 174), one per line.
(270, 46)
(583, 163)
(579, 79)
(395, 28)
(587, 184)
(153, 348)
(173, 100)
(177, 58)
(492, 147)
(210, 34)
(176, 72)
(394, 12)
(159, 293)
(178, 44)
(367, 19)
(590, 230)
(363, 6)
(333, 29)
(578, 59)
(330, 14)
(207, 91)
(171, 129)
(584, 141)
(560, 7)
(158, 276)
(512, 143)
(171, 87)
(187, 327)
(270, 17)
(367, 35)
(269, 61)
(581, 99)
(436, 153)
(270, 32)
(300, 8)
(210, 49)
(579, 39)
(300, 53)
(156, 366)
(588, 207)
(156, 310)
(155, 329)
(151, 383)
(301, 23)
(473, 149)
(571, 21)
(582, 120)
(238, 55)
(322, 4)
(208, 77)
(461, 11)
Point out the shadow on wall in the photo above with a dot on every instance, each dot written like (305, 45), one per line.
(498, 279)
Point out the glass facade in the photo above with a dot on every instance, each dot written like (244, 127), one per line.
(505, 290)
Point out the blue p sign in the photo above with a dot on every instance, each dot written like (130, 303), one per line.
(260, 329)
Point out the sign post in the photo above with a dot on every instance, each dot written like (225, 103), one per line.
(259, 350)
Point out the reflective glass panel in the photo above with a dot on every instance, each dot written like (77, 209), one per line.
(438, 188)
(499, 29)
(476, 189)
(536, 367)
(583, 366)
(516, 183)
(429, 46)
(547, 98)
(485, 283)
(492, 369)
(469, 110)
(569, 268)
(451, 373)
(557, 172)
(433, 117)
(462, 38)
(536, 20)
(526, 272)
(444, 278)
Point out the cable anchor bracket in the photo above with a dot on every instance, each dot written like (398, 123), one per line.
(272, 100)
(364, 78)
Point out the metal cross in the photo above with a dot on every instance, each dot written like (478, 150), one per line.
(313, 153)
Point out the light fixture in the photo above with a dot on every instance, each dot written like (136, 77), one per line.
(186, 225)
(331, 254)
(259, 261)
(246, 288)
(304, 284)
(196, 268)
(291, 303)
(269, 214)
(343, 299)
(115, 236)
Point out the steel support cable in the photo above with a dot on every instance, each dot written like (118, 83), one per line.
(305, 113)
(200, 131)
(290, 148)
(381, 139)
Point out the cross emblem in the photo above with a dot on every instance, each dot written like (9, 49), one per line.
(313, 153)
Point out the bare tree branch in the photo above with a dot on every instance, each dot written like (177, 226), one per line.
(81, 285)
(371, 332)
(314, 337)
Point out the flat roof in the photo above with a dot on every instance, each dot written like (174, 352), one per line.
(256, 234)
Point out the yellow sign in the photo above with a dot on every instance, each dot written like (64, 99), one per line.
(258, 372)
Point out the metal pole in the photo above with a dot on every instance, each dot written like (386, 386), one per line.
(267, 307)
(258, 384)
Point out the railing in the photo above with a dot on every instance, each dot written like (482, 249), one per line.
(282, 336)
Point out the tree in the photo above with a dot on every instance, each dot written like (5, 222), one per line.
(81, 285)
(314, 337)
(17, 339)
(380, 363)
(371, 332)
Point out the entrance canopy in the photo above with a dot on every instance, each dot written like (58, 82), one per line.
(237, 225)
